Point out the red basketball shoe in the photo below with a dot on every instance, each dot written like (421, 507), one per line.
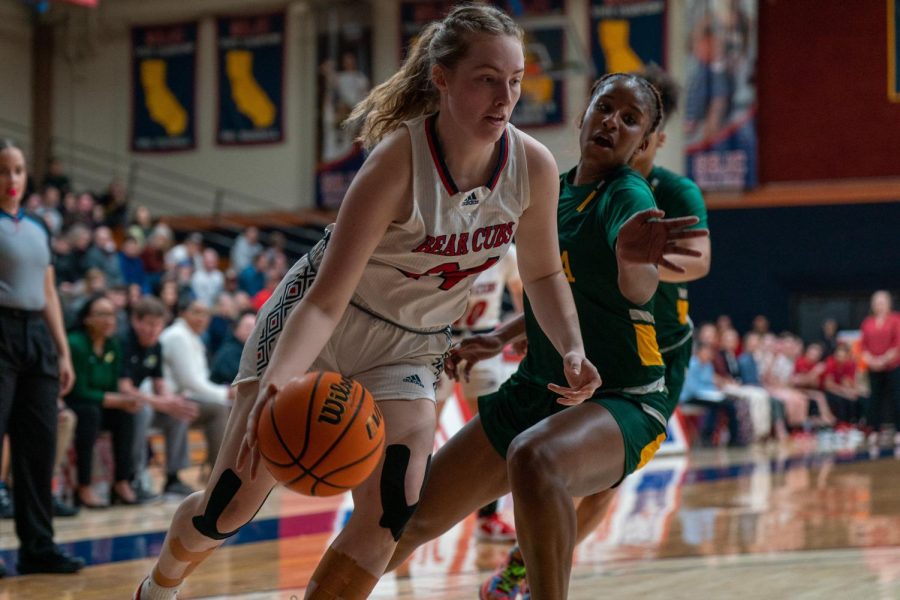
(494, 529)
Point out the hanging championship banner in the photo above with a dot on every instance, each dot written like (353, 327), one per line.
(893, 21)
(163, 73)
(720, 95)
(627, 34)
(345, 66)
(543, 87)
(251, 79)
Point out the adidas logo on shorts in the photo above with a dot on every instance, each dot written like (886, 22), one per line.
(415, 380)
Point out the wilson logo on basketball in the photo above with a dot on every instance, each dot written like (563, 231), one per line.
(373, 425)
(336, 403)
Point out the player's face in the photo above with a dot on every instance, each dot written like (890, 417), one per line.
(614, 125)
(481, 91)
(12, 174)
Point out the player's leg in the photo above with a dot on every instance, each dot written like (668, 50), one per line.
(547, 467)
(467, 457)
(205, 519)
(382, 504)
(485, 378)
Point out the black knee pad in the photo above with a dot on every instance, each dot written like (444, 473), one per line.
(226, 489)
(397, 512)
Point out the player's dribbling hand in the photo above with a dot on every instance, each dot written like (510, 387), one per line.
(470, 351)
(249, 448)
(583, 380)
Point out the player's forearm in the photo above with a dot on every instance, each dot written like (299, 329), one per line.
(637, 281)
(512, 331)
(553, 306)
(694, 268)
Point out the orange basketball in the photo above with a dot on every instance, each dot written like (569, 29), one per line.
(322, 434)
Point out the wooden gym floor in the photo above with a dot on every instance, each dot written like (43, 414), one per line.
(790, 521)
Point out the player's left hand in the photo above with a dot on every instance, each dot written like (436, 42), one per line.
(646, 238)
(583, 380)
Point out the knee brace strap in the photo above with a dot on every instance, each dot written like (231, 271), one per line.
(397, 512)
(339, 577)
(226, 489)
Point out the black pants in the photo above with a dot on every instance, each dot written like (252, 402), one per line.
(884, 399)
(120, 423)
(711, 419)
(29, 388)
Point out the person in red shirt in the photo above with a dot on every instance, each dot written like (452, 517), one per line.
(839, 383)
(808, 370)
(881, 353)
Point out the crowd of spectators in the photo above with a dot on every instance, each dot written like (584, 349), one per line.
(766, 385)
(156, 327)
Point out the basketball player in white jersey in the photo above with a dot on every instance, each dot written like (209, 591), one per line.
(447, 185)
(483, 316)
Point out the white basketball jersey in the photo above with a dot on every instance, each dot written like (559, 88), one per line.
(486, 295)
(421, 271)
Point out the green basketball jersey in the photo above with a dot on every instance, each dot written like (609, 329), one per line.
(619, 336)
(679, 197)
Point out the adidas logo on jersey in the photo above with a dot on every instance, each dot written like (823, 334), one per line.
(415, 380)
(471, 200)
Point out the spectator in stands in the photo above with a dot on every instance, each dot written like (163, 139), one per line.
(57, 177)
(95, 398)
(186, 371)
(761, 324)
(231, 281)
(808, 370)
(751, 401)
(83, 212)
(169, 295)
(246, 247)
(188, 252)
(273, 278)
(141, 226)
(224, 313)
(130, 264)
(227, 359)
(701, 387)
(829, 337)
(104, 255)
(276, 251)
(207, 282)
(115, 204)
(50, 212)
(881, 353)
(749, 375)
(142, 364)
(154, 254)
(839, 383)
(253, 278)
(72, 266)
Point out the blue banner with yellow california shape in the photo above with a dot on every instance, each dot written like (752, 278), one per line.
(251, 79)
(625, 36)
(163, 75)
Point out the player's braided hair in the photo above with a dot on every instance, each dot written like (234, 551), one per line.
(646, 86)
(669, 90)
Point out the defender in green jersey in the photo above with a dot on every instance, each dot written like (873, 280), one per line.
(547, 449)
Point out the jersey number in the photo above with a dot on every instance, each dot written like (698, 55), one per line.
(477, 310)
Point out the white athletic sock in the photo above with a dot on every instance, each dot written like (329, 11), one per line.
(150, 590)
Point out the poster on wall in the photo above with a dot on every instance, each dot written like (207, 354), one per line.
(250, 51)
(625, 36)
(720, 95)
(543, 87)
(344, 59)
(893, 22)
(163, 74)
